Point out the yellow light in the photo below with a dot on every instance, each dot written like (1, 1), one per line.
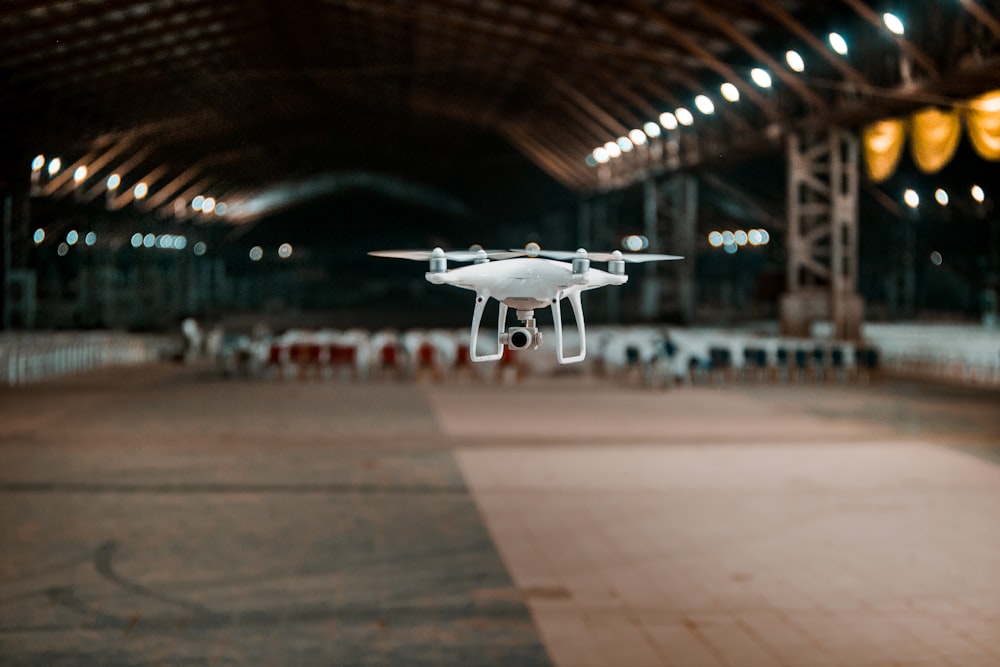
(684, 117)
(668, 120)
(911, 198)
(730, 92)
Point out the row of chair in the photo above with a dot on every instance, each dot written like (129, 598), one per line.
(657, 355)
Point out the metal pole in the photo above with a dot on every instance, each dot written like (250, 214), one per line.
(8, 216)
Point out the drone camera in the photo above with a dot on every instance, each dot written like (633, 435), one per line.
(521, 338)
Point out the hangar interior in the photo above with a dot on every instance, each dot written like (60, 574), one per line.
(190, 190)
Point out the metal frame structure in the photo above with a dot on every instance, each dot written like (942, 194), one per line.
(822, 233)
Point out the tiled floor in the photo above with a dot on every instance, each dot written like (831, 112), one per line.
(165, 516)
(820, 554)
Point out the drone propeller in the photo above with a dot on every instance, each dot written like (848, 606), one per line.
(454, 255)
(617, 255)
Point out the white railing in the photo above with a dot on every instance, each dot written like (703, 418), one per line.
(27, 357)
(966, 353)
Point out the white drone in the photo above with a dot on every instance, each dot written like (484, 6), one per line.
(525, 280)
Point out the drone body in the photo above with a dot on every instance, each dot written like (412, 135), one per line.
(525, 281)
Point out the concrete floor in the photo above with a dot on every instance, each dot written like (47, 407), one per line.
(164, 515)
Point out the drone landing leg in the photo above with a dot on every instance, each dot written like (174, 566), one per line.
(574, 300)
(477, 316)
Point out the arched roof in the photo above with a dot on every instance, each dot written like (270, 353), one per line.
(236, 96)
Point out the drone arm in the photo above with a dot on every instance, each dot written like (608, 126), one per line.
(577, 304)
(477, 316)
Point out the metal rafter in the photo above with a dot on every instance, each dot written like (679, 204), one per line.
(786, 19)
(911, 49)
(726, 27)
(688, 43)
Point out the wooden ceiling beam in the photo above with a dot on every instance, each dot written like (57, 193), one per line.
(612, 125)
(533, 148)
(983, 16)
(77, 43)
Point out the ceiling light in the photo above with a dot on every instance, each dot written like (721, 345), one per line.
(684, 117)
(715, 239)
(978, 194)
(140, 190)
(256, 253)
(54, 166)
(625, 144)
(221, 208)
(795, 61)
(730, 92)
(613, 149)
(652, 129)
(72, 236)
(911, 198)
(760, 77)
(114, 180)
(208, 205)
(893, 23)
(837, 43)
(668, 120)
(38, 236)
(285, 250)
(941, 196)
(38, 163)
(638, 137)
(704, 104)
(601, 155)
(79, 174)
